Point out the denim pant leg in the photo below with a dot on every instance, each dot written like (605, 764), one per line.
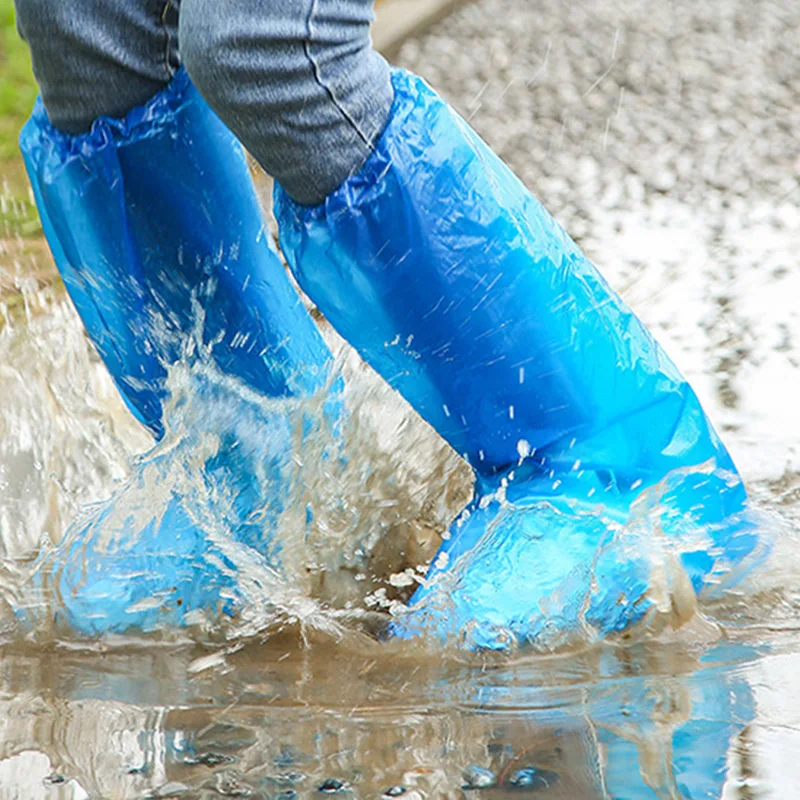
(296, 80)
(97, 58)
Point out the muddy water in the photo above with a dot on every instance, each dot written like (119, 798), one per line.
(310, 703)
(348, 717)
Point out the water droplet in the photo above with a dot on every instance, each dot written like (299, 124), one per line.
(478, 778)
(209, 759)
(532, 779)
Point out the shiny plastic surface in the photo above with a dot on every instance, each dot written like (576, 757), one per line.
(458, 287)
(156, 229)
(188, 536)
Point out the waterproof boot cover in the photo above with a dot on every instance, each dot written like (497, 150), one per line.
(155, 227)
(603, 492)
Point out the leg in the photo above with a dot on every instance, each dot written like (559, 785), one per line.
(152, 201)
(98, 59)
(605, 497)
(296, 80)
(157, 232)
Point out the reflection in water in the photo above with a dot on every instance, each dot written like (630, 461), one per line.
(664, 721)
(321, 707)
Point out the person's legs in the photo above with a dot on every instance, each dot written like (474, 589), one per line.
(429, 257)
(155, 226)
(453, 282)
(296, 80)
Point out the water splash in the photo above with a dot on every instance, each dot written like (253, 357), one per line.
(353, 506)
(364, 512)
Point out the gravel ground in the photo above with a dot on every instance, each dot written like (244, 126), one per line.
(665, 137)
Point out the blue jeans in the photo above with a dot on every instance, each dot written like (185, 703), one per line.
(296, 80)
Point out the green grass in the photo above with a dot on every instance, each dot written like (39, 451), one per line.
(17, 94)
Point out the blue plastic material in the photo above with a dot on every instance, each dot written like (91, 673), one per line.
(156, 229)
(191, 531)
(459, 288)
(158, 234)
(106, 578)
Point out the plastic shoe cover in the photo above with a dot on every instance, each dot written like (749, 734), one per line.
(190, 538)
(457, 286)
(108, 577)
(157, 232)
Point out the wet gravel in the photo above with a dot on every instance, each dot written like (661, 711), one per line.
(610, 103)
(665, 136)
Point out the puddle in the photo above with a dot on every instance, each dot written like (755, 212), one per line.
(309, 704)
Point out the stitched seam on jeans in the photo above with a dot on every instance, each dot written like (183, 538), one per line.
(318, 77)
(165, 27)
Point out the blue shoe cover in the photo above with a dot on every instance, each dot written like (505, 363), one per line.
(190, 535)
(157, 232)
(117, 575)
(455, 284)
